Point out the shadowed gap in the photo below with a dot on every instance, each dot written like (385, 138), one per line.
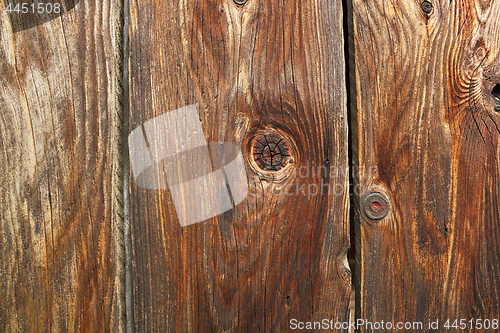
(129, 314)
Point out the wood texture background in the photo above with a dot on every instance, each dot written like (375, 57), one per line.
(425, 119)
(60, 172)
(262, 67)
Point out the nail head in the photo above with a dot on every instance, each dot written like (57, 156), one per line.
(375, 206)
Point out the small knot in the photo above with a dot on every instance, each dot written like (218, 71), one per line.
(270, 152)
(426, 7)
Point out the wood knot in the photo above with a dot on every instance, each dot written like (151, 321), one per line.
(271, 152)
(426, 7)
(490, 92)
(495, 92)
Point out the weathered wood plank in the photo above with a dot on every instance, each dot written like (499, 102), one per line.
(264, 68)
(60, 172)
(425, 121)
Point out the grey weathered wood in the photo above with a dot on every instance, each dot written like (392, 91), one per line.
(60, 172)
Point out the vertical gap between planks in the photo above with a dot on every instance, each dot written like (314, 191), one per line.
(129, 317)
(347, 26)
(119, 197)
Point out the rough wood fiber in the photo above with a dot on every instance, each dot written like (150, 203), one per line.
(262, 67)
(60, 172)
(425, 119)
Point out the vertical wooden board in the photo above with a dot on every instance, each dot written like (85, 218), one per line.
(426, 124)
(60, 172)
(263, 68)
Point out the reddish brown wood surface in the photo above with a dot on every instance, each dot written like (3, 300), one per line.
(264, 67)
(426, 120)
(268, 76)
(60, 172)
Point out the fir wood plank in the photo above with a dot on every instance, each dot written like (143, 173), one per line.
(425, 120)
(261, 68)
(60, 170)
